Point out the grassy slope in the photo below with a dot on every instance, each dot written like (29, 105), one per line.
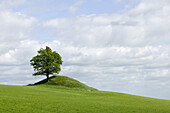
(65, 82)
(40, 99)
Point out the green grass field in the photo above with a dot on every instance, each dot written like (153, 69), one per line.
(48, 98)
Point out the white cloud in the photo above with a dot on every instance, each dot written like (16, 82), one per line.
(15, 24)
(146, 24)
(15, 46)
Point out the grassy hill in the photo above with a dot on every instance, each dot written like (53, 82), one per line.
(48, 98)
(65, 82)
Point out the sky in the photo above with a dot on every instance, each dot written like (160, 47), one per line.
(114, 45)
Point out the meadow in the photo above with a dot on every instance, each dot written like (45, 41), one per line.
(45, 98)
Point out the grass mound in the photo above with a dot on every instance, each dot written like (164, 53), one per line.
(65, 82)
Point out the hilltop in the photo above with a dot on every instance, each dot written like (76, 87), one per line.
(64, 82)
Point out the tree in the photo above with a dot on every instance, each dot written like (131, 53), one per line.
(46, 62)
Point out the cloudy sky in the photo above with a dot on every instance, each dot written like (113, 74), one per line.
(113, 45)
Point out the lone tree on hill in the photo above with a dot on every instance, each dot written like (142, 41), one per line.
(46, 62)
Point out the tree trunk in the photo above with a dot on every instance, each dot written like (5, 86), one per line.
(47, 77)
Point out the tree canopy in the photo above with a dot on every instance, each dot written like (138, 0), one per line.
(46, 62)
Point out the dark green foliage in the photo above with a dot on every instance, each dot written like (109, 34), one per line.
(46, 62)
(58, 81)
